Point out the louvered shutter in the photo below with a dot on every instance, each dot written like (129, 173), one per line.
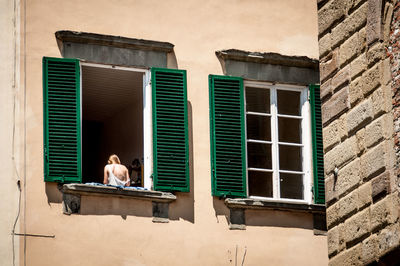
(228, 155)
(317, 144)
(170, 130)
(62, 125)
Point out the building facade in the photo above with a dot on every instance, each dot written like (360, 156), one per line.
(358, 43)
(228, 83)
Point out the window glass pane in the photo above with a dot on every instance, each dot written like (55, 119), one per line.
(290, 158)
(289, 130)
(258, 127)
(289, 102)
(260, 184)
(259, 155)
(291, 186)
(257, 100)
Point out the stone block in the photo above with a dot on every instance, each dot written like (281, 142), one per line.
(349, 49)
(383, 212)
(364, 196)
(359, 115)
(332, 215)
(369, 250)
(351, 24)
(325, 45)
(360, 135)
(348, 205)
(341, 154)
(373, 162)
(385, 71)
(329, 65)
(333, 133)
(237, 219)
(388, 239)
(382, 100)
(333, 241)
(374, 24)
(355, 91)
(330, 190)
(358, 66)
(378, 130)
(348, 177)
(348, 257)
(325, 89)
(342, 236)
(336, 105)
(330, 13)
(380, 186)
(371, 80)
(160, 212)
(357, 227)
(341, 78)
(375, 53)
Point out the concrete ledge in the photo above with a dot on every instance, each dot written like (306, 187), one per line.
(249, 203)
(91, 190)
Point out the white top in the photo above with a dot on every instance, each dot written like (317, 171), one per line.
(112, 179)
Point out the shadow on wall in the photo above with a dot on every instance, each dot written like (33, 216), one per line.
(273, 218)
(183, 207)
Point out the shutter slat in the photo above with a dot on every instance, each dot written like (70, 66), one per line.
(227, 136)
(170, 130)
(61, 102)
(317, 141)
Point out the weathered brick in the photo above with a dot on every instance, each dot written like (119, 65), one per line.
(388, 239)
(325, 44)
(341, 78)
(374, 24)
(364, 195)
(329, 65)
(326, 89)
(358, 66)
(333, 133)
(348, 177)
(349, 257)
(350, 25)
(380, 185)
(330, 13)
(336, 105)
(382, 100)
(373, 162)
(371, 80)
(355, 91)
(342, 153)
(333, 241)
(378, 130)
(359, 115)
(383, 212)
(357, 226)
(369, 249)
(375, 53)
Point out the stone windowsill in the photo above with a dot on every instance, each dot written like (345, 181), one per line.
(249, 203)
(106, 191)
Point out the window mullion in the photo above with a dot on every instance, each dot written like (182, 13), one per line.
(274, 138)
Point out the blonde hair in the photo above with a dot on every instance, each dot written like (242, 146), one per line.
(113, 159)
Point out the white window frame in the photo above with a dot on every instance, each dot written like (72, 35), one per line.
(147, 116)
(305, 140)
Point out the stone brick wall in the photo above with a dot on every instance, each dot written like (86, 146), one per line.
(357, 112)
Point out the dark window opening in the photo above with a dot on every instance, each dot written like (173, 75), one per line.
(112, 119)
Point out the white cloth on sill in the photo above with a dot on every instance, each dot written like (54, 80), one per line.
(112, 179)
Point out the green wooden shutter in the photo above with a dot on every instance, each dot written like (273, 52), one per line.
(317, 144)
(62, 124)
(228, 150)
(170, 130)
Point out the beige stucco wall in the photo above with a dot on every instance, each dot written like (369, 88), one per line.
(9, 86)
(121, 231)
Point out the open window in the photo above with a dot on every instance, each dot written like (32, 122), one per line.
(261, 143)
(93, 110)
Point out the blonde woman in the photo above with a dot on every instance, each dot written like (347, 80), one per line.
(115, 173)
